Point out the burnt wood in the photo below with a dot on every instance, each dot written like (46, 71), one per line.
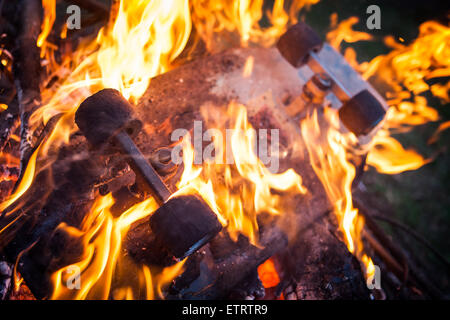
(8, 123)
(59, 194)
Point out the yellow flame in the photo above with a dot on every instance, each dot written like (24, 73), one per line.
(24, 184)
(248, 67)
(47, 24)
(370, 267)
(101, 235)
(388, 156)
(167, 275)
(240, 191)
(144, 40)
(405, 71)
(328, 150)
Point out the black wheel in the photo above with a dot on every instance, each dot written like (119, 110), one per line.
(184, 224)
(101, 115)
(296, 44)
(362, 113)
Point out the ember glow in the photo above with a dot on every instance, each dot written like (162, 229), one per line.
(268, 274)
(144, 40)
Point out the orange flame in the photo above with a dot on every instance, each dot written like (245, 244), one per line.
(101, 235)
(405, 70)
(47, 24)
(155, 31)
(329, 152)
(248, 67)
(237, 192)
(344, 32)
(212, 17)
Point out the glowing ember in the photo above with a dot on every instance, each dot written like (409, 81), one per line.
(268, 274)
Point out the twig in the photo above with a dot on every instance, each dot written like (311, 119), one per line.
(382, 237)
(384, 254)
(51, 124)
(397, 254)
(113, 12)
(415, 235)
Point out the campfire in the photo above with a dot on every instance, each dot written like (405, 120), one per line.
(186, 150)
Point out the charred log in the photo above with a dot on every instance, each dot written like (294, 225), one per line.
(8, 123)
